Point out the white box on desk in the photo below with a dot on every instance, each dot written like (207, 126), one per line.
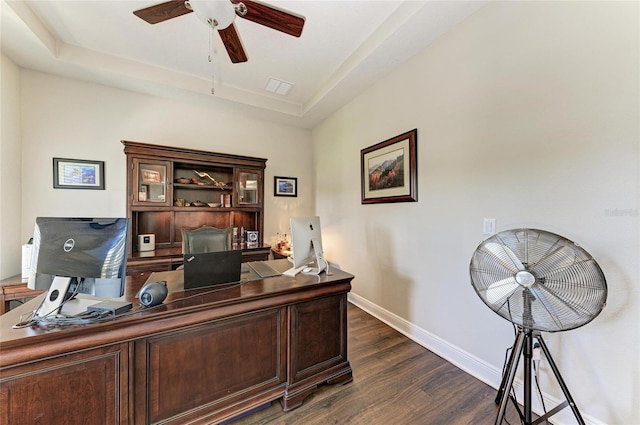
(27, 250)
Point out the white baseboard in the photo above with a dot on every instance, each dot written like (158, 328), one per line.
(465, 361)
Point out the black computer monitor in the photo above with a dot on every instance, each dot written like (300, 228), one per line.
(79, 255)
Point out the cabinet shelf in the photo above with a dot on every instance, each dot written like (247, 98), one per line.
(154, 194)
(201, 187)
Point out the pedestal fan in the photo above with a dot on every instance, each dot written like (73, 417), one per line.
(541, 282)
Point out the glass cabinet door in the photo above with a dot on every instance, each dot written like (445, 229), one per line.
(248, 185)
(150, 182)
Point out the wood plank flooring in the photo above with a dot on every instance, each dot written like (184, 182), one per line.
(395, 381)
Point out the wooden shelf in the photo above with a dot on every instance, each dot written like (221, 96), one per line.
(152, 193)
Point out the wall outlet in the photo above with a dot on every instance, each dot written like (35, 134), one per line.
(489, 226)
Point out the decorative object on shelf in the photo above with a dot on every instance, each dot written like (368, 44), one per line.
(235, 239)
(147, 242)
(78, 174)
(182, 180)
(199, 204)
(389, 170)
(150, 176)
(253, 236)
(216, 183)
(282, 246)
(285, 186)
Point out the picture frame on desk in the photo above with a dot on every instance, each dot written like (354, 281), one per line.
(78, 174)
(389, 170)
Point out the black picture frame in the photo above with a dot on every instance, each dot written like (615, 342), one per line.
(285, 186)
(78, 174)
(389, 170)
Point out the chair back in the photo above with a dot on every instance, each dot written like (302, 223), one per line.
(205, 239)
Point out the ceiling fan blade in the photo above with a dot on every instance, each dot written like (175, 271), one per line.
(233, 44)
(163, 11)
(269, 16)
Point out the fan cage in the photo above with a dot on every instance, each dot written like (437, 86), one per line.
(538, 280)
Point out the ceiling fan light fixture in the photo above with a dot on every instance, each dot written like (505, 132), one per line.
(217, 13)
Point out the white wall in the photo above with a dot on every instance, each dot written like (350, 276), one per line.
(10, 181)
(71, 119)
(526, 112)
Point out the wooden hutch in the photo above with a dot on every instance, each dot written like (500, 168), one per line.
(170, 188)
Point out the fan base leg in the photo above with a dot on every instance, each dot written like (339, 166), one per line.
(523, 345)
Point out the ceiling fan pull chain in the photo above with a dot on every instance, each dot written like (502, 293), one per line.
(211, 31)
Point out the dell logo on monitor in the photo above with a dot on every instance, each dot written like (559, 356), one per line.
(68, 245)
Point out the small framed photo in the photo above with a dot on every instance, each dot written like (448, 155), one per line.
(150, 176)
(389, 170)
(78, 174)
(285, 186)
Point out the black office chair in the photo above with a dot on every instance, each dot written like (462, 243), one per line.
(205, 239)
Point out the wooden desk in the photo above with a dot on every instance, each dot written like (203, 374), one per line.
(201, 357)
(13, 288)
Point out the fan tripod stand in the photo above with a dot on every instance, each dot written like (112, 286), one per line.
(524, 344)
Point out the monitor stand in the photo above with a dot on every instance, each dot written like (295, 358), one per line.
(320, 261)
(323, 265)
(54, 298)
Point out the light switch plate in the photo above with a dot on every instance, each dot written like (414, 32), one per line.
(489, 226)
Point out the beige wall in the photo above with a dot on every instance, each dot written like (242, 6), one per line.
(526, 112)
(10, 181)
(72, 119)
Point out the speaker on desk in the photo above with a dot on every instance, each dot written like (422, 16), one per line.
(153, 293)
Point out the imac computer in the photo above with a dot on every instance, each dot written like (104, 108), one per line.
(306, 244)
(78, 255)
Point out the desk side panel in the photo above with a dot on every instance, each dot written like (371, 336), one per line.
(319, 336)
(83, 388)
(198, 371)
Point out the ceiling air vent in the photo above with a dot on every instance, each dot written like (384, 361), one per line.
(278, 86)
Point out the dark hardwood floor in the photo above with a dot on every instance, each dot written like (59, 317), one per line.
(395, 381)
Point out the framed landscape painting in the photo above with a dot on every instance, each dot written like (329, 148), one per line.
(389, 170)
(78, 174)
(285, 186)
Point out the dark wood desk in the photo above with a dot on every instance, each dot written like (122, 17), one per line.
(202, 357)
(13, 288)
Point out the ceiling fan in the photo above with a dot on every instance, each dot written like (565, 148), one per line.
(220, 14)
